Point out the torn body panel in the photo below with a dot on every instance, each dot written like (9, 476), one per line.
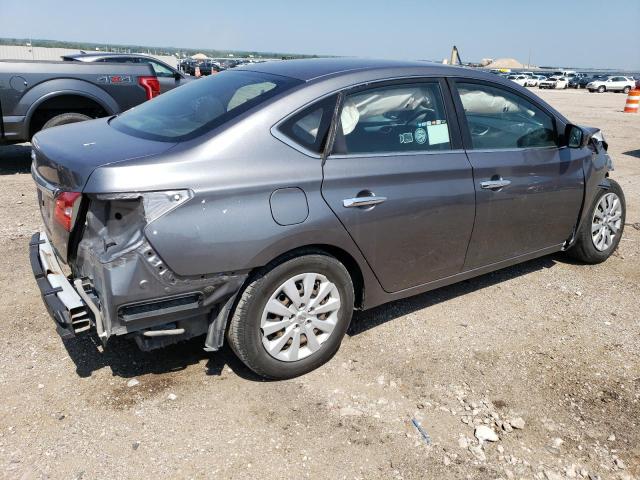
(596, 168)
(136, 293)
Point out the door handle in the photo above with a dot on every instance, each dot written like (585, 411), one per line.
(495, 184)
(367, 201)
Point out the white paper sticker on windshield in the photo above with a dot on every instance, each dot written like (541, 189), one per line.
(438, 132)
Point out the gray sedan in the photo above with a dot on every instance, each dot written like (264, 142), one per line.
(264, 204)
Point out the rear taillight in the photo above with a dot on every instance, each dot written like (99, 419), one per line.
(66, 207)
(151, 85)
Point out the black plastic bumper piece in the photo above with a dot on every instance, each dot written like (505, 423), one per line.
(55, 307)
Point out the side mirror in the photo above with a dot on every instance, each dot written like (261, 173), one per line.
(575, 136)
(579, 137)
(177, 76)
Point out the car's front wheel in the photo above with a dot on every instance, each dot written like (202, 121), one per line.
(601, 231)
(602, 89)
(292, 316)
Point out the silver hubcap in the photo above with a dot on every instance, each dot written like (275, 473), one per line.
(607, 219)
(299, 317)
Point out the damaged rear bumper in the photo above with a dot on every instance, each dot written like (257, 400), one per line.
(65, 305)
(132, 294)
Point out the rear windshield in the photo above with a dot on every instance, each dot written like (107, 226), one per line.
(201, 105)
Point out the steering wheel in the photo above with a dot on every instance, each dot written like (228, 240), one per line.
(417, 114)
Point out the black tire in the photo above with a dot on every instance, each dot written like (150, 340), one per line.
(584, 249)
(64, 119)
(245, 335)
(602, 89)
(626, 90)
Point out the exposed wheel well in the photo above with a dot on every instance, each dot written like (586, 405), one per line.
(64, 104)
(341, 255)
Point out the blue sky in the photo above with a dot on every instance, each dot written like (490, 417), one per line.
(582, 33)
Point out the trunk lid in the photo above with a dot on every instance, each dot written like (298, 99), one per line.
(64, 158)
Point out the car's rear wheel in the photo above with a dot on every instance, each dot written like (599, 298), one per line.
(65, 119)
(292, 316)
(601, 231)
(602, 89)
(627, 89)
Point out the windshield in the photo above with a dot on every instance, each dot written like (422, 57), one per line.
(201, 105)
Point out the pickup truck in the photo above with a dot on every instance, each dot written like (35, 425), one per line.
(35, 95)
(168, 76)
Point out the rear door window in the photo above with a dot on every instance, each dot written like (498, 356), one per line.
(500, 119)
(309, 128)
(393, 118)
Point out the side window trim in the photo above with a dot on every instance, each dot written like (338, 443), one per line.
(455, 138)
(462, 119)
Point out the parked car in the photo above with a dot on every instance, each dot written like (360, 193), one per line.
(242, 206)
(554, 82)
(41, 94)
(584, 81)
(185, 64)
(576, 79)
(168, 77)
(574, 82)
(612, 84)
(564, 73)
(207, 67)
(534, 80)
(519, 79)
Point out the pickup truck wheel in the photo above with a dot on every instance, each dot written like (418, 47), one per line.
(291, 317)
(602, 89)
(64, 119)
(601, 231)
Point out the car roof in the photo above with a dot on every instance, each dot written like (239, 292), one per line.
(106, 54)
(314, 68)
(359, 71)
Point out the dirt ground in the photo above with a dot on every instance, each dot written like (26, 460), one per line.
(551, 343)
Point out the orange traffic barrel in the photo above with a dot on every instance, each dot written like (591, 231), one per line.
(633, 101)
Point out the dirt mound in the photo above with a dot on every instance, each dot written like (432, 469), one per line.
(505, 63)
